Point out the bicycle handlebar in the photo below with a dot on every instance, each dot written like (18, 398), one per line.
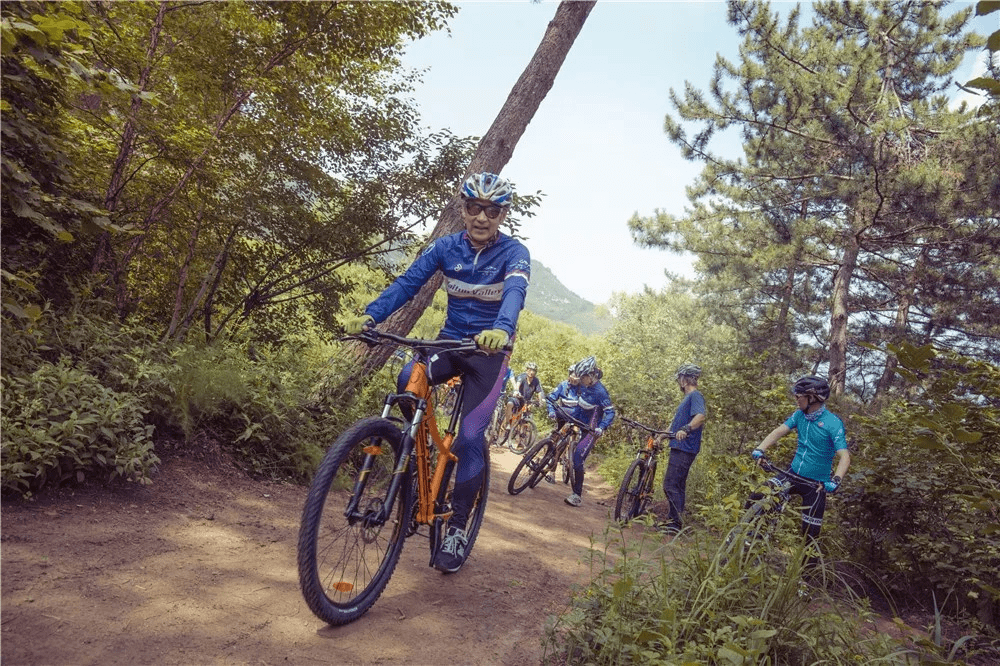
(769, 467)
(651, 431)
(586, 427)
(373, 337)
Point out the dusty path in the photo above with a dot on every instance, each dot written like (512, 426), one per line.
(200, 569)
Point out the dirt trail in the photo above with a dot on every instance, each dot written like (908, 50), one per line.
(200, 569)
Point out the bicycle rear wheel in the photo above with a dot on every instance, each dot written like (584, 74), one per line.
(530, 467)
(345, 561)
(523, 437)
(630, 492)
(494, 427)
(566, 459)
(475, 518)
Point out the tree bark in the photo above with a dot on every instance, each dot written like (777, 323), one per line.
(900, 326)
(494, 151)
(839, 312)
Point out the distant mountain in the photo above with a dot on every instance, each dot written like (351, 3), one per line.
(550, 298)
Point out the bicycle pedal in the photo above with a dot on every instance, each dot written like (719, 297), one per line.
(549, 478)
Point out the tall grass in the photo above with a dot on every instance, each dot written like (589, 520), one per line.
(693, 601)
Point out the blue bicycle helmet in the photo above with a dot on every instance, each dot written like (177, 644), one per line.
(488, 187)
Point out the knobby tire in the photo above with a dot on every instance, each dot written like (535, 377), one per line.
(523, 437)
(630, 492)
(746, 532)
(344, 565)
(529, 467)
(475, 519)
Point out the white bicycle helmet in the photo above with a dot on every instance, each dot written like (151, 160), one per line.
(587, 366)
(488, 187)
(688, 370)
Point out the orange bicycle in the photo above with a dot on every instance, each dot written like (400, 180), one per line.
(636, 490)
(379, 483)
(519, 433)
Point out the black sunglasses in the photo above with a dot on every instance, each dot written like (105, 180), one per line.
(473, 208)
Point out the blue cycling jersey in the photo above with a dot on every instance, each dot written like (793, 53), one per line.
(821, 435)
(486, 287)
(563, 392)
(585, 403)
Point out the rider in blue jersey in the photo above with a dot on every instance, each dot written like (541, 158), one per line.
(590, 403)
(820, 439)
(486, 277)
(564, 393)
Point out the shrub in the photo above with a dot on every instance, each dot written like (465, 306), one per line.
(61, 423)
(924, 495)
(654, 604)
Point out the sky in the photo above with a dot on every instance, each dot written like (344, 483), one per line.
(596, 147)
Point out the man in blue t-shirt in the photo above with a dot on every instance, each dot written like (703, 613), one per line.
(684, 447)
(821, 437)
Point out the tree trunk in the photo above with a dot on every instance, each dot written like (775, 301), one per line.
(494, 151)
(839, 312)
(104, 258)
(898, 332)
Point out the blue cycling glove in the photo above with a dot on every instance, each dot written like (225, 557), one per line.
(832, 485)
(757, 454)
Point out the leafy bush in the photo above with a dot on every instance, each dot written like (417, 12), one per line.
(61, 423)
(924, 495)
(654, 604)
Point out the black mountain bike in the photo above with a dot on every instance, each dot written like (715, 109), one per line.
(757, 524)
(381, 481)
(542, 460)
(636, 490)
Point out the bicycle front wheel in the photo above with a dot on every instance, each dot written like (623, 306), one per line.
(530, 467)
(630, 492)
(569, 472)
(523, 437)
(746, 534)
(352, 531)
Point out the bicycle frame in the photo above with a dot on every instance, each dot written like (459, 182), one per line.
(635, 492)
(420, 433)
(423, 430)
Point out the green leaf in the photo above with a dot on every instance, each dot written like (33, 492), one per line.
(991, 86)
(984, 7)
(929, 442)
(966, 437)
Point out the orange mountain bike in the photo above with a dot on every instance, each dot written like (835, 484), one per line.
(518, 433)
(636, 490)
(381, 481)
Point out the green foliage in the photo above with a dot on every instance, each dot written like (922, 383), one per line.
(47, 61)
(661, 604)
(796, 240)
(923, 499)
(60, 423)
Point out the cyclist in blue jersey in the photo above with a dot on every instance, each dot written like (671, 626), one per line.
(486, 276)
(684, 447)
(592, 405)
(564, 393)
(820, 438)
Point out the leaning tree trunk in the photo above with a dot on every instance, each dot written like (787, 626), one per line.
(494, 151)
